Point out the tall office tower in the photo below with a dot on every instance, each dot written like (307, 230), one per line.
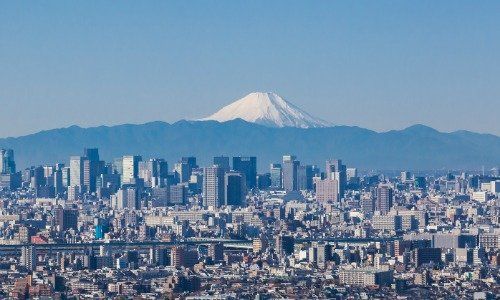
(48, 174)
(276, 178)
(289, 167)
(126, 198)
(405, 176)
(234, 188)
(177, 194)
(37, 178)
(76, 171)
(28, 257)
(336, 170)
(351, 173)
(91, 154)
(66, 175)
(58, 181)
(7, 163)
(118, 165)
(153, 171)
(65, 218)
(130, 168)
(383, 201)
(327, 190)
(284, 244)
(263, 181)
(305, 177)
(191, 161)
(213, 186)
(182, 171)
(91, 168)
(223, 162)
(248, 166)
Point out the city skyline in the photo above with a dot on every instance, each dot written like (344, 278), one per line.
(386, 66)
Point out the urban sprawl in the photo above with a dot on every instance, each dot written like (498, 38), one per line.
(137, 228)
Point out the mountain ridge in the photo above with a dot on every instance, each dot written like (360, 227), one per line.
(359, 147)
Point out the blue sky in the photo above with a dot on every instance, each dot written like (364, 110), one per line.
(376, 64)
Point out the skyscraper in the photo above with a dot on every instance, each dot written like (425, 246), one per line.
(183, 171)
(130, 168)
(76, 171)
(223, 162)
(305, 177)
(7, 163)
(126, 198)
(65, 218)
(248, 166)
(290, 166)
(384, 199)
(234, 188)
(91, 168)
(213, 186)
(336, 170)
(191, 162)
(276, 178)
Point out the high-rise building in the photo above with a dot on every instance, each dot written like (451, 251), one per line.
(130, 166)
(327, 190)
(248, 166)
(276, 178)
(153, 171)
(351, 173)
(178, 194)
(384, 199)
(7, 163)
(289, 168)
(216, 252)
(304, 177)
(335, 170)
(76, 171)
(223, 162)
(213, 186)
(191, 162)
(284, 244)
(65, 218)
(234, 188)
(182, 171)
(126, 198)
(91, 168)
(28, 257)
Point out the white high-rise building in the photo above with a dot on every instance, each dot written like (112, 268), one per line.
(130, 168)
(213, 186)
(76, 171)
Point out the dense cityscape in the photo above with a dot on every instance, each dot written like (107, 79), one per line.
(141, 228)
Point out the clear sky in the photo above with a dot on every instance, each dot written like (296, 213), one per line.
(376, 64)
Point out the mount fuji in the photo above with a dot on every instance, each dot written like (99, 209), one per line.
(267, 109)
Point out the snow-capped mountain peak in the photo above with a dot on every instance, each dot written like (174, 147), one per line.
(267, 109)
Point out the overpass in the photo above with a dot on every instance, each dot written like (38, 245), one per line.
(228, 243)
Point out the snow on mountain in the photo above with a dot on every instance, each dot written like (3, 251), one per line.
(267, 109)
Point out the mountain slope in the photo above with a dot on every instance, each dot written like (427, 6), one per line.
(417, 147)
(267, 109)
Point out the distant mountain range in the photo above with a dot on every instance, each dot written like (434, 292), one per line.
(417, 147)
